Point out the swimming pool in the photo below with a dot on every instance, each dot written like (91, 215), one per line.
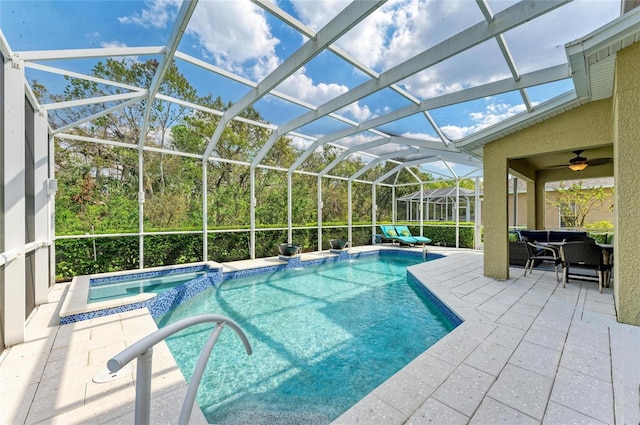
(323, 337)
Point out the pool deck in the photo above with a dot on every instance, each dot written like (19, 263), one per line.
(529, 352)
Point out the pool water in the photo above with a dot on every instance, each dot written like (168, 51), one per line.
(323, 337)
(110, 290)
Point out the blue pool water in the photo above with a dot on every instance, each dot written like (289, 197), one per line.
(103, 290)
(323, 337)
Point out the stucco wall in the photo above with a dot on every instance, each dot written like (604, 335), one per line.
(627, 181)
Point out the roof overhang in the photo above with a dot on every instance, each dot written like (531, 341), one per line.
(592, 64)
(592, 58)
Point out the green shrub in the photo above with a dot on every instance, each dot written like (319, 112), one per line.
(444, 233)
(75, 257)
(600, 225)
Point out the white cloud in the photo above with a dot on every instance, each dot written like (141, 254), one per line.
(237, 36)
(359, 113)
(114, 43)
(300, 142)
(234, 34)
(109, 44)
(302, 87)
(455, 132)
(357, 140)
(158, 14)
(403, 28)
(317, 14)
(494, 113)
(420, 136)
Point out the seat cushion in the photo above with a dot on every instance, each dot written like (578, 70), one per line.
(535, 235)
(559, 236)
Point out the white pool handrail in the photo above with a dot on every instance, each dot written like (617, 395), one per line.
(143, 351)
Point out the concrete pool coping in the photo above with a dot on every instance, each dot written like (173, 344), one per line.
(76, 302)
(528, 352)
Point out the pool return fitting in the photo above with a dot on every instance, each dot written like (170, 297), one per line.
(143, 351)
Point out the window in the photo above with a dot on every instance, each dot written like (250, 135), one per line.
(568, 215)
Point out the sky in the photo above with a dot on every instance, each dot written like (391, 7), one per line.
(240, 37)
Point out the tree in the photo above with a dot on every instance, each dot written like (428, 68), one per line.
(576, 201)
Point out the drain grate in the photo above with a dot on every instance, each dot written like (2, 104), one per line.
(107, 376)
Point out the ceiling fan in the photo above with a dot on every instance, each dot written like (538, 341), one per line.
(579, 163)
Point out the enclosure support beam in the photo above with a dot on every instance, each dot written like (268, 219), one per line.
(205, 216)
(515, 202)
(393, 205)
(141, 208)
(478, 219)
(289, 203)
(13, 215)
(456, 210)
(253, 202)
(320, 213)
(40, 204)
(186, 10)
(51, 209)
(421, 208)
(374, 213)
(349, 211)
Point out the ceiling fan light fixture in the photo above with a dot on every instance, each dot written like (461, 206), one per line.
(579, 166)
(578, 163)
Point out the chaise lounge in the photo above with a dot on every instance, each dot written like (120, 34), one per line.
(390, 233)
(404, 231)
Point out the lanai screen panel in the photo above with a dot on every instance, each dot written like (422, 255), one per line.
(422, 55)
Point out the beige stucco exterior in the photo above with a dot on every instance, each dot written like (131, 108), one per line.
(614, 121)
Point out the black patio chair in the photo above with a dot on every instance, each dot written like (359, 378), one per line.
(540, 253)
(579, 238)
(584, 255)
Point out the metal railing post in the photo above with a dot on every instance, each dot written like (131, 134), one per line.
(143, 388)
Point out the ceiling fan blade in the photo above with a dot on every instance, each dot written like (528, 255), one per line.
(600, 161)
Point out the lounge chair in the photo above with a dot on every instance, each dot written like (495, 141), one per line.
(404, 231)
(390, 233)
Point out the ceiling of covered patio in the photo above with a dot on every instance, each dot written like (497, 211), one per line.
(404, 83)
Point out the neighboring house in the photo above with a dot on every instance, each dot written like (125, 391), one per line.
(553, 215)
